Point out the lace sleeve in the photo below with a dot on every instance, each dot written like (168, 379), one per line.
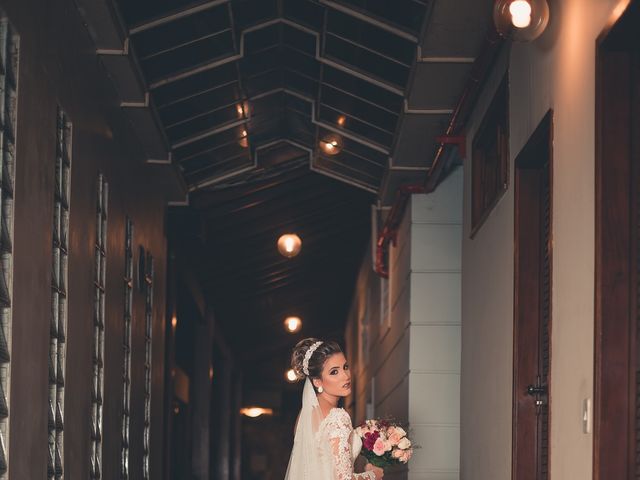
(339, 429)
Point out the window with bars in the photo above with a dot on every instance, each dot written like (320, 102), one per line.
(97, 387)
(8, 99)
(126, 372)
(59, 277)
(148, 314)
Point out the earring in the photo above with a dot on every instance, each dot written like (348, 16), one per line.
(320, 390)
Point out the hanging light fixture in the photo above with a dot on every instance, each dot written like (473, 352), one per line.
(254, 412)
(291, 376)
(521, 20)
(242, 109)
(289, 245)
(244, 139)
(292, 324)
(331, 144)
(342, 120)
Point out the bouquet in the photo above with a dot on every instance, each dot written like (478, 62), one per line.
(384, 443)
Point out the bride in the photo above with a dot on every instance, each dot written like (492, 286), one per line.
(324, 446)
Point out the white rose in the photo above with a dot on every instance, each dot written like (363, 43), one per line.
(404, 443)
(401, 431)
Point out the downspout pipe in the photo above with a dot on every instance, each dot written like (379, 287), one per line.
(453, 135)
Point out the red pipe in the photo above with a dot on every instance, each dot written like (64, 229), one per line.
(460, 115)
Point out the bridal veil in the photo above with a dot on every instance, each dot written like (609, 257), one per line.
(310, 459)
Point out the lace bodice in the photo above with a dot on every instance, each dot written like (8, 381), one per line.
(337, 432)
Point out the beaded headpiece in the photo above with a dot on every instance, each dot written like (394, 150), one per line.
(307, 357)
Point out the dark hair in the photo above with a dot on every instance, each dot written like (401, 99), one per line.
(316, 362)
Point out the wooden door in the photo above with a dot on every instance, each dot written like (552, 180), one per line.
(617, 279)
(532, 306)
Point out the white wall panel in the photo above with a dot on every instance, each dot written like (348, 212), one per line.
(439, 448)
(434, 398)
(436, 248)
(437, 299)
(444, 205)
(435, 349)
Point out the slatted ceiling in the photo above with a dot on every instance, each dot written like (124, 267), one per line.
(177, 60)
(208, 144)
(366, 36)
(306, 12)
(299, 39)
(259, 40)
(367, 92)
(142, 11)
(356, 107)
(183, 31)
(404, 14)
(298, 61)
(201, 124)
(247, 13)
(357, 125)
(276, 56)
(204, 81)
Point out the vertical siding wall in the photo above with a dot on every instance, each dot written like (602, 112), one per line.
(556, 71)
(413, 367)
(434, 358)
(58, 67)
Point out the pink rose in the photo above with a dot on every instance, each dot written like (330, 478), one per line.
(394, 436)
(406, 455)
(379, 447)
(397, 453)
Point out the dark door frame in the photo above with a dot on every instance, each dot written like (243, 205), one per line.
(616, 223)
(533, 163)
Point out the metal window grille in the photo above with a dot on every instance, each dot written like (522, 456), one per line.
(147, 363)
(8, 109)
(126, 372)
(59, 277)
(95, 471)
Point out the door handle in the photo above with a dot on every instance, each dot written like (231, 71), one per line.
(535, 390)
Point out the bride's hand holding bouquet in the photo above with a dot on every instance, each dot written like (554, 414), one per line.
(384, 443)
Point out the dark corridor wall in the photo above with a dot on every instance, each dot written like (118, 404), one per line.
(58, 68)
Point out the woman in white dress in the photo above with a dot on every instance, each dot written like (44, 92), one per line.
(325, 446)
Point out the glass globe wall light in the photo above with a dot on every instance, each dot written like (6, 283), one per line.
(521, 20)
(289, 245)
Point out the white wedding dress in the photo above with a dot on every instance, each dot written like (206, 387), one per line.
(324, 448)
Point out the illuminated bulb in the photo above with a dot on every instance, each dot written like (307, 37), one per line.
(291, 375)
(331, 144)
(341, 120)
(242, 109)
(210, 373)
(289, 245)
(520, 20)
(174, 322)
(254, 412)
(244, 139)
(520, 11)
(293, 324)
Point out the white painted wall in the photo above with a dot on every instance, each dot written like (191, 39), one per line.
(556, 71)
(414, 360)
(434, 351)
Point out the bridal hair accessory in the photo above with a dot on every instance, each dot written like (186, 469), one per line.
(307, 357)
